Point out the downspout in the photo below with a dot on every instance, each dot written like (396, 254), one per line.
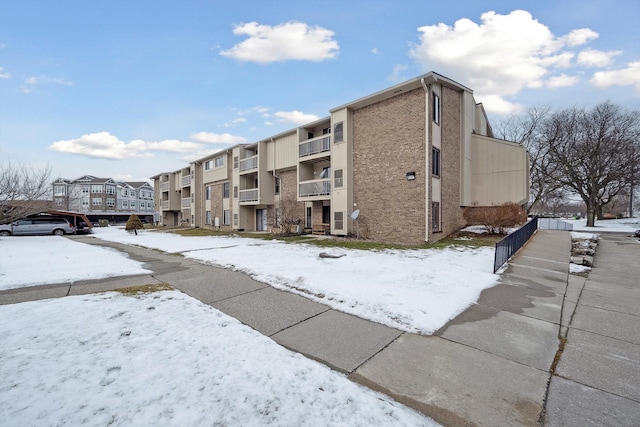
(427, 153)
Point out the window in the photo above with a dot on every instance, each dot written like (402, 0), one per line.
(59, 190)
(125, 203)
(59, 202)
(225, 190)
(132, 204)
(226, 217)
(337, 178)
(326, 173)
(96, 201)
(235, 162)
(207, 192)
(435, 162)
(235, 191)
(277, 189)
(219, 161)
(208, 164)
(338, 220)
(337, 133)
(435, 216)
(149, 205)
(85, 203)
(235, 219)
(436, 108)
(326, 131)
(96, 188)
(111, 203)
(207, 217)
(85, 189)
(112, 190)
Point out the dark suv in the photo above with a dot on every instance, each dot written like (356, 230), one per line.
(37, 226)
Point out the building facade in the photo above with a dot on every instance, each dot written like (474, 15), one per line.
(397, 166)
(104, 197)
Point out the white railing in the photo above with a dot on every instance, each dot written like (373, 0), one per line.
(186, 180)
(164, 186)
(314, 146)
(249, 195)
(186, 202)
(249, 163)
(317, 187)
(165, 204)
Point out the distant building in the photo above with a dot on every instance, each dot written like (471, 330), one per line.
(104, 197)
(407, 160)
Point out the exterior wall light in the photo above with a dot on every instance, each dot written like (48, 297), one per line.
(411, 176)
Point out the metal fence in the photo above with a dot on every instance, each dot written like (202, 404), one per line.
(508, 246)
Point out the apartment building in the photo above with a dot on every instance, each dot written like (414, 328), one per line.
(104, 197)
(396, 166)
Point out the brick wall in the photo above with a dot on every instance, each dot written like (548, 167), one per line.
(388, 142)
(452, 219)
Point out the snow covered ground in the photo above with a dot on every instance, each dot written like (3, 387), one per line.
(165, 359)
(616, 225)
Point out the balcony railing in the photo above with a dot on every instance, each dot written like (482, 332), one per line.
(186, 202)
(249, 163)
(317, 187)
(165, 205)
(314, 146)
(249, 195)
(186, 180)
(164, 186)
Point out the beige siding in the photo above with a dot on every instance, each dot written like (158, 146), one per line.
(282, 153)
(500, 172)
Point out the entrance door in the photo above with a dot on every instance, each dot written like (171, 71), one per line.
(261, 220)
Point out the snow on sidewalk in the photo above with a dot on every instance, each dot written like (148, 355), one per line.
(166, 359)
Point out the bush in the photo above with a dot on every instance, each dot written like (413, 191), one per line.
(496, 219)
(134, 224)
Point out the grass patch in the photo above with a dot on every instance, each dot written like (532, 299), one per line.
(471, 240)
(145, 289)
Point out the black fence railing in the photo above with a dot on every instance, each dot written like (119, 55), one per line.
(508, 246)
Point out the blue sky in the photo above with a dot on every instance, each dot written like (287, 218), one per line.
(129, 89)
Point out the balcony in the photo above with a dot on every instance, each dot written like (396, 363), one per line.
(249, 163)
(250, 195)
(314, 188)
(186, 202)
(186, 181)
(165, 205)
(164, 186)
(317, 145)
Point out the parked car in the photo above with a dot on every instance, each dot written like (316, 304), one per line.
(37, 226)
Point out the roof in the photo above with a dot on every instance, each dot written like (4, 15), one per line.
(415, 83)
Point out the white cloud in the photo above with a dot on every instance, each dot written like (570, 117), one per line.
(562, 80)
(375, 51)
(500, 56)
(629, 76)
(596, 58)
(296, 117)
(4, 75)
(397, 75)
(102, 145)
(216, 138)
(289, 41)
(30, 83)
(234, 122)
(106, 146)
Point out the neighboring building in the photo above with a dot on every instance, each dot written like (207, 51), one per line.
(104, 197)
(408, 159)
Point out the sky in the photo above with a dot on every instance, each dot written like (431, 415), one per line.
(131, 89)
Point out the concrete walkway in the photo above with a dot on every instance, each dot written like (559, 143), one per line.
(494, 364)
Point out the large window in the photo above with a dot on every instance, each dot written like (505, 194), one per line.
(96, 188)
(59, 190)
(337, 133)
(435, 216)
(338, 220)
(112, 190)
(111, 203)
(337, 178)
(435, 162)
(436, 108)
(96, 201)
(218, 161)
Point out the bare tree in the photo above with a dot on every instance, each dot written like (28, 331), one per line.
(288, 214)
(22, 190)
(593, 152)
(526, 129)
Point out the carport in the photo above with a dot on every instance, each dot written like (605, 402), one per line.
(73, 217)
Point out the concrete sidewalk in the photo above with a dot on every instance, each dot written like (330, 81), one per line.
(491, 365)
